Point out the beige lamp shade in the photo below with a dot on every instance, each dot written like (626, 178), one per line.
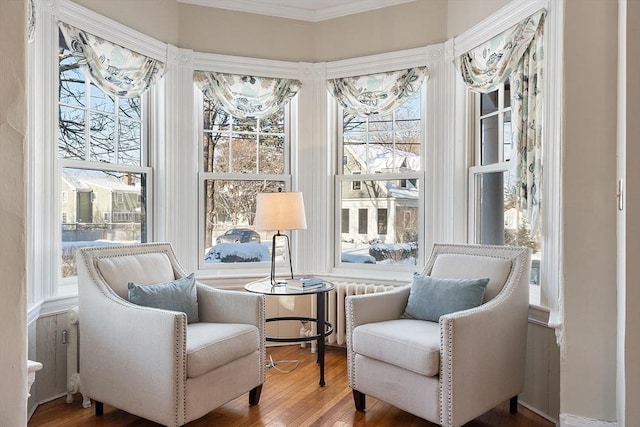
(280, 211)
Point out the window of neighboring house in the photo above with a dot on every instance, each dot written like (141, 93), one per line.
(363, 221)
(240, 158)
(383, 175)
(382, 221)
(356, 185)
(64, 217)
(101, 147)
(345, 221)
(496, 217)
(65, 197)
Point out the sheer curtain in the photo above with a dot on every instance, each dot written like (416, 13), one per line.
(114, 69)
(378, 93)
(516, 54)
(246, 96)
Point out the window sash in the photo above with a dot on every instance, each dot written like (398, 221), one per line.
(204, 176)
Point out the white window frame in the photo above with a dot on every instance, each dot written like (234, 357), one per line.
(546, 312)
(48, 292)
(203, 177)
(243, 66)
(435, 223)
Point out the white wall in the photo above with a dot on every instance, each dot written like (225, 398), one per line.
(13, 128)
(588, 364)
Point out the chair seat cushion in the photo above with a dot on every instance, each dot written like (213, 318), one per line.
(407, 343)
(211, 345)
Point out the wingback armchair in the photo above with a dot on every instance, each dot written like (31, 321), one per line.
(452, 371)
(151, 362)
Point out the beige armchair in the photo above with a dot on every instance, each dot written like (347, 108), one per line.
(452, 371)
(149, 361)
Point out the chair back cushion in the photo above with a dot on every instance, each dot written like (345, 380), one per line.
(464, 266)
(142, 269)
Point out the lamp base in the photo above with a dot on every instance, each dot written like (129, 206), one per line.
(272, 276)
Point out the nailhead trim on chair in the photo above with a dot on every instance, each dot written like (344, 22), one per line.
(446, 419)
(105, 289)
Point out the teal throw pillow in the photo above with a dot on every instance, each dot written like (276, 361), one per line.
(432, 297)
(177, 295)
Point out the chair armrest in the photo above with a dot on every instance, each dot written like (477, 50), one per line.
(378, 307)
(139, 349)
(225, 306)
(482, 355)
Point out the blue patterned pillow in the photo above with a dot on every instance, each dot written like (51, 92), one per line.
(177, 295)
(432, 297)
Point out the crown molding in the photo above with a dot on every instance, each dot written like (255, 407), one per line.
(297, 12)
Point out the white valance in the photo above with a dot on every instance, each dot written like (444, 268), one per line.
(114, 69)
(379, 93)
(246, 96)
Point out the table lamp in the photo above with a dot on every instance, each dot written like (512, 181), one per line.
(280, 211)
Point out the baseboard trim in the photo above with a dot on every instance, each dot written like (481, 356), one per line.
(537, 411)
(569, 420)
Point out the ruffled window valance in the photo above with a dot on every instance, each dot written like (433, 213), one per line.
(379, 93)
(246, 96)
(114, 69)
(516, 54)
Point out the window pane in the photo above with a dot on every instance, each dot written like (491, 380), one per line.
(507, 137)
(353, 123)
(101, 208)
(274, 123)
(490, 140)
(507, 94)
(500, 220)
(130, 108)
(215, 152)
(271, 154)
(244, 125)
(229, 234)
(394, 238)
(100, 101)
(102, 136)
(71, 135)
(244, 153)
(129, 152)
(215, 119)
(380, 122)
(488, 103)
(72, 85)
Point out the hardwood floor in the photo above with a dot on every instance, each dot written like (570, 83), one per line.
(288, 399)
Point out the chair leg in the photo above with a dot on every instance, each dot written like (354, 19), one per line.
(254, 395)
(513, 405)
(99, 408)
(360, 400)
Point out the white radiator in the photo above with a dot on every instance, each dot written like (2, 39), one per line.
(335, 306)
(72, 340)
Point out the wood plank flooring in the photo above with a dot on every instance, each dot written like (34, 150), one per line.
(288, 399)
